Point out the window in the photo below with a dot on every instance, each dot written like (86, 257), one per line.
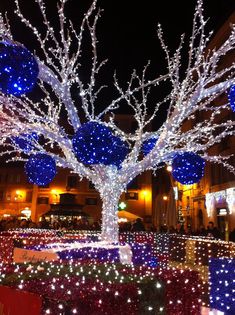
(131, 196)
(43, 186)
(11, 178)
(43, 200)
(18, 178)
(72, 181)
(91, 201)
(180, 195)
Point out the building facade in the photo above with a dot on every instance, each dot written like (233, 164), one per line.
(213, 198)
(16, 194)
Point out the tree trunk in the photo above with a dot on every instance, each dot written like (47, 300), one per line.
(110, 229)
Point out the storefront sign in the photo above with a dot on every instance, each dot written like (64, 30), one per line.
(25, 255)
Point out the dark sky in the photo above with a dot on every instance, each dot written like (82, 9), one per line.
(127, 28)
(130, 27)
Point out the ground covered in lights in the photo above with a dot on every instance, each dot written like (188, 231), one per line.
(165, 276)
(88, 288)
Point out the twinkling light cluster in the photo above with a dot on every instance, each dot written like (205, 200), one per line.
(94, 143)
(59, 74)
(222, 284)
(25, 142)
(148, 145)
(188, 168)
(18, 69)
(102, 289)
(106, 289)
(61, 282)
(192, 253)
(138, 254)
(40, 169)
(197, 249)
(231, 97)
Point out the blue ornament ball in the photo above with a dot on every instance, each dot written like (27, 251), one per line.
(188, 168)
(94, 143)
(231, 97)
(25, 142)
(119, 152)
(40, 169)
(18, 69)
(148, 145)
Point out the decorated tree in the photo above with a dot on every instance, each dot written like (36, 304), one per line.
(56, 132)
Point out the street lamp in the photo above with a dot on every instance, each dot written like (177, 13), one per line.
(18, 195)
(165, 198)
(169, 168)
(175, 188)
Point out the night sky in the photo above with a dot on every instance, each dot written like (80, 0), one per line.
(127, 29)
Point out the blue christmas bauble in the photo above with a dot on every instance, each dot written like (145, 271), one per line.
(188, 168)
(94, 143)
(231, 97)
(18, 69)
(118, 153)
(25, 141)
(148, 145)
(40, 169)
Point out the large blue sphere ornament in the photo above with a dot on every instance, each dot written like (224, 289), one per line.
(94, 143)
(188, 168)
(40, 169)
(18, 69)
(231, 97)
(25, 142)
(148, 145)
(118, 153)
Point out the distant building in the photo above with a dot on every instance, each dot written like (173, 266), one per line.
(213, 198)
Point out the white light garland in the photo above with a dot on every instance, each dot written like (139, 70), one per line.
(218, 197)
(210, 204)
(230, 199)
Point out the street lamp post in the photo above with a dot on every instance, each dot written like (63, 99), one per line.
(165, 199)
(174, 186)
